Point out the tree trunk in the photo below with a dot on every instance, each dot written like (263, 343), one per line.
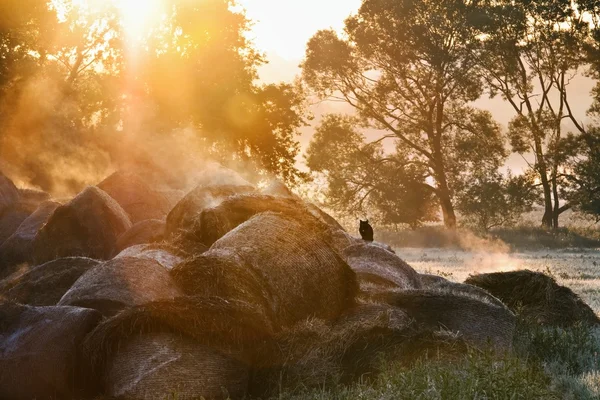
(447, 208)
(556, 212)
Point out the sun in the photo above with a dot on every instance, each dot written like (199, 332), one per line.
(139, 16)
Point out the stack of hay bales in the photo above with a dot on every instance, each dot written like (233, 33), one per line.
(536, 297)
(246, 290)
(40, 351)
(87, 226)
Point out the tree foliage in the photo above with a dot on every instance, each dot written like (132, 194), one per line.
(409, 69)
(363, 180)
(73, 88)
(491, 200)
(531, 53)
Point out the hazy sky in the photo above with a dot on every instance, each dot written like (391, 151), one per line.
(283, 27)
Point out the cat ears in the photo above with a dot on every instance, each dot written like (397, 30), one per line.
(367, 221)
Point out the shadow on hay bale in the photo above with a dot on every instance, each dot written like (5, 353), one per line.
(316, 353)
(214, 223)
(182, 216)
(18, 248)
(143, 232)
(39, 351)
(378, 269)
(536, 298)
(192, 346)
(123, 282)
(276, 259)
(46, 284)
(481, 322)
(137, 198)
(87, 226)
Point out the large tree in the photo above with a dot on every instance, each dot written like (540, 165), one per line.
(409, 68)
(532, 51)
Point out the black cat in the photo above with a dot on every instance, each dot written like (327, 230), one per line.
(366, 230)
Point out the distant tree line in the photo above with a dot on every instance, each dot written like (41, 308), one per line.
(412, 69)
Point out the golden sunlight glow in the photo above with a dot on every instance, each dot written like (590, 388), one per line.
(139, 16)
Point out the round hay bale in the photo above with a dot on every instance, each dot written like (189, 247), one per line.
(378, 269)
(39, 351)
(181, 218)
(87, 226)
(31, 199)
(9, 194)
(210, 341)
(148, 231)
(123, 282)
(222, 273)
(137, 198)
(18, 248)
(160, 364)
(214, 223)
(10, 219)
(45, 284)
(479, 322)
(302, 274)
(145, 252)
(536, 298)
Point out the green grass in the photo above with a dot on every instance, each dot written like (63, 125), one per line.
(546, 363)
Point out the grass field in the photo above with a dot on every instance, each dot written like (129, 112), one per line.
(546, 363)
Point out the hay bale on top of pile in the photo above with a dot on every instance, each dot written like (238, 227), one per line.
(46, 284)
(479, 321)
(291, 260)
(536, 298)
(181, 218)
(123, 282)
(214, 223)
(190, 346)
(18, 248)
(87, 226)
(39, 350)
(137, 198)
(144, 232)
(162, 254)
(9, 194)
(378, 269)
